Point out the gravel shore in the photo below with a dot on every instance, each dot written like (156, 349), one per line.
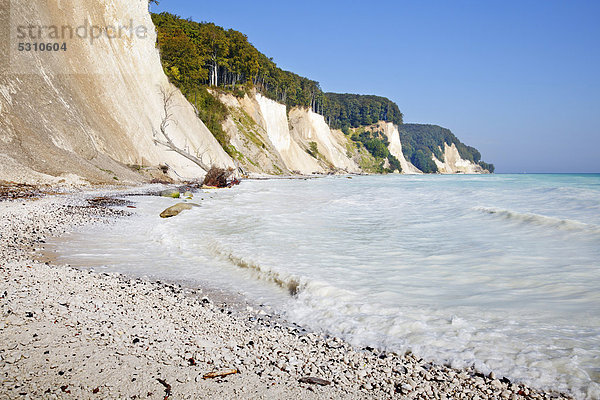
(70, 333)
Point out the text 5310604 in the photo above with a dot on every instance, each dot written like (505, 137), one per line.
(42, 46)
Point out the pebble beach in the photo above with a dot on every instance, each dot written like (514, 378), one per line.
(74, 333)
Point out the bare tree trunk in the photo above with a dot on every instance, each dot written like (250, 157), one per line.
(167, 97)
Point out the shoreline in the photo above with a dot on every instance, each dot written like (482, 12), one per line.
(76, 333)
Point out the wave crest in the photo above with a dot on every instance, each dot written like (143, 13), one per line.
(542, 220)
(289, 283)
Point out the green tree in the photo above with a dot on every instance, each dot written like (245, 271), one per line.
(424, 162)
(394, 163)
(180, 58)
(313, 149)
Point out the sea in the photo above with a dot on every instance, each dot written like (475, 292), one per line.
(497, 271)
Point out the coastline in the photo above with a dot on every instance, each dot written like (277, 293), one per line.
(72, 333)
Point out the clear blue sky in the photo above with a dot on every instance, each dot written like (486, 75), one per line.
(519, 80)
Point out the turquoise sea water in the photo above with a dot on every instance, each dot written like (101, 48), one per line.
(500, 271)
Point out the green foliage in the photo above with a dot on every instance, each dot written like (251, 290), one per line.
(370, 164)
(183, 61)
(207, 54)
(377, 148)
(210, 110)
(345, 111)
(377, 145)
(431, 139)
(394, 163)
(239, 92)
(179, 57)
(489, 167)
(423, 161)
(313, 149)
(247, 126)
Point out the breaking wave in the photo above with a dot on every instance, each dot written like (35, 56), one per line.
(288, 282)
(541, 220)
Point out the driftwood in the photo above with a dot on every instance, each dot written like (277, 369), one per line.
(314, 380)
(167, 387)
(218, 374)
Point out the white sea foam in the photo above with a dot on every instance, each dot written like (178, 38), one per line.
(538, 219)
(400, 262)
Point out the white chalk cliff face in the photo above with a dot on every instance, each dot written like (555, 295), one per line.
(454, 164)
(248, 139)
(270, 141)
(308, 126)
(390, 130)
(275, 122)
(80, 114)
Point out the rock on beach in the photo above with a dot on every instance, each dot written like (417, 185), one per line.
(176, 209)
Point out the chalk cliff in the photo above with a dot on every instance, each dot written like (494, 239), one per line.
(82, 114)
(265, 139)
(249, 140)
(453, 163)
(276, 124)
(331, 146)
